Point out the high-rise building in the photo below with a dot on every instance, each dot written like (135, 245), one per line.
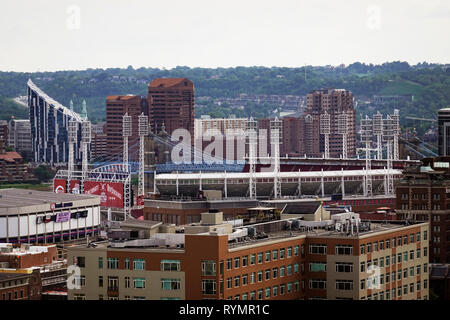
(116, 108)
(171, 103)
(334, 102)
(444, 132)
(423, 195)
(19, 136)
(339, 260)
(49, 121)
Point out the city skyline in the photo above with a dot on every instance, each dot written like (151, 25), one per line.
(89, 35)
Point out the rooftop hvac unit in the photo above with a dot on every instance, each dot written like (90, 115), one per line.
(295, 224)
(251, 231)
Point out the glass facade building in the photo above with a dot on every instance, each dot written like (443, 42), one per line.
(49, 121)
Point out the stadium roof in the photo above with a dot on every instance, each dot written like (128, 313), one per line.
(270, 174)
(53, 102)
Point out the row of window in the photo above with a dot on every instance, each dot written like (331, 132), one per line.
(82, 296)
(138, 264)
(392, 260)
(375, 281)
(262, 257)
(261, 276)
(415, 196)
(339, 284)
(17, 295)
(405, 206)
(138, 283)
(268, 292)
(397, 292)
(386, 244)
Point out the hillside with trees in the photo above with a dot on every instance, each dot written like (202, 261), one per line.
(428, 83)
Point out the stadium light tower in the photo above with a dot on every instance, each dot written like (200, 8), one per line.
(343, 130)
(143, 131)
(251, 126)
(395, 132)
(126, 133)
(276, 126)
(366, 138)
(388, 136)
(378, 132)
(325, 130)
(85, 141)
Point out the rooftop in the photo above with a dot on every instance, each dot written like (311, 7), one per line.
(167, 82)
(12, 200)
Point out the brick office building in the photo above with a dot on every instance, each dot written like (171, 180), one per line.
(334, 102)
(171, 103)
(423, 194)
(23, 285)
(116, 108)
(274, 260)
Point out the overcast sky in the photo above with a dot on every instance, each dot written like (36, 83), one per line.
(49, 35)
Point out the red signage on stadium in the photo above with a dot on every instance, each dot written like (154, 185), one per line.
(75, 186)
(111, 193)
(59, 186)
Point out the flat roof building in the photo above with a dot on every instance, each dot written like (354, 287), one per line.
(30, 216)
(284, 259)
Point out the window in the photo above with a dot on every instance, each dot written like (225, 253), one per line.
(127, 263)
(375, 246)
(282, 289)
(344, 284)
(260, 257)
(381, 245)
(138, 264)
(295, 250)
(229, 264)
(282, 251)
(405, 240)
(317, 249)
(81, 262)
(393, 259)
(425, 267)
(268, 292)
(78, 296)
(425, 284)
(267, 256)
(275, 291)
(387, 244)
(260, 276)
(80, 281)
(139, 283)
(245, 296)
(100, 282)
(418, 269)
(425, 235)
(252, 259)
(229, 283)
(237, 281)
(405, 256)
(388, 277)
(345, 249)
(245, 279)
(267, 274)
(252, 277)
(344, 267)
(274, 255)
(369, 247)
(100, 262)
(252, 295)
(296, 268)
(405, 289)
(244, 261)
(317, 284)
(170, 284)
(417, 253)
(174, 265)
(237, 262)
(399, 241)
(387, 258)
(363, 284)
(289, 252)
(425, 251)
(405, 273)
(318, 266)
(113, 283)
(221, 267)
(399, 258)
(127, 282)
(381, 262)
(418, 286)
(362, 249)
(274, 273)
(289, 287)
(113, 263)
(362, 266)
(418, 236)
(260, 294)
(289, 269)
(282, 271)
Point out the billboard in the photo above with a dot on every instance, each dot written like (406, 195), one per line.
(63, 216)
(111, 193)
(75, 186)
(59, 186)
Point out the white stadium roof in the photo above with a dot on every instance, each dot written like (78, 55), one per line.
(270, 174)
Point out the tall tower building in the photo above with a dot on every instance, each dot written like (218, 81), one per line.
(334, 102)
(444, 131)
(116, 108)
(171, 102)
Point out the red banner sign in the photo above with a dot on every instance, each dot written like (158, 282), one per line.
(59, 186)
(75, 186)
(111, 193)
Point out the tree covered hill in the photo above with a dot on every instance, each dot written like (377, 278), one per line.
(429, 83)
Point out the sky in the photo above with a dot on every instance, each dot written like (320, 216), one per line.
(52, 35)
